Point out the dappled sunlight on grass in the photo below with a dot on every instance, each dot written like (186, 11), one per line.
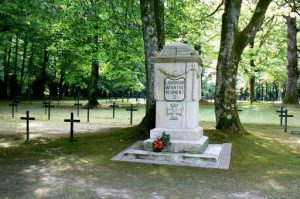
(42, 192)
(6, 144)
(276, 185)
(161, 173)
(264, 163)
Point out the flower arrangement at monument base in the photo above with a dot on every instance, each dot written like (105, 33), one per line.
(161, 143)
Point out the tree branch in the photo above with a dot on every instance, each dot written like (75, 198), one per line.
(246, 35)
(216, 10)
(293, 6)
(211, 14)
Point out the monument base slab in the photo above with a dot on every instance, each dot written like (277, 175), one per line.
(215, 156)
(181, 146)
(178, 134)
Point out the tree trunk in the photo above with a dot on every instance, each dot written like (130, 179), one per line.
(267, 91)
(60, 84)
(262, 92)
(16, 54)
(6, 72)
(93, 86)
(95, 65)
(43, 72)
(23, 64)
(232, 45)
(291, 94)
(252, 77)
(4, 85)
(30, 61)
(153, 35)
(160, 22)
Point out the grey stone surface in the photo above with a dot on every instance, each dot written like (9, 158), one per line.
(180, 146)
(177, 94)
(178, 134)
(215, 156)
(295, 132)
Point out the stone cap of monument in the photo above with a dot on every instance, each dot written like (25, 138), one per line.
(177, 52)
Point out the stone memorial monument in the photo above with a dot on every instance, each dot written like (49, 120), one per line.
(177, 95)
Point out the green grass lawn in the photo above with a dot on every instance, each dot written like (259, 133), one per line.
(265, 164)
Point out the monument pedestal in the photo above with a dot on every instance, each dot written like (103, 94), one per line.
(182, 140)
(215, 156)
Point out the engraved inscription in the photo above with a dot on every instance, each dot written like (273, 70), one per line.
(174, 110)
(174, 89)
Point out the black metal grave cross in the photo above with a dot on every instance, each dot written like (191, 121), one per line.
(49, 106)
(27, 118)
(88, 107)
(12, 109)
(131, 109)
(285, 115)
(114, 108)
(280, 111)
(16, 102)
(44, 105)
(72, 124)
(77, 104)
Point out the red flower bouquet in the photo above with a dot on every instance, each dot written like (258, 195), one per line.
(160, 143)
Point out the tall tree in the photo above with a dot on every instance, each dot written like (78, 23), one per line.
(291, 94)
(95, 62)
(233, 42)
(252, 77)
(152, 14)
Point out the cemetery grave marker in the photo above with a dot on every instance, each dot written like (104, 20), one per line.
(280, 111)
(285, 115)
(44, 105)
(88, 107)
(16, 102)
(131, 109)
(27, 118)
(77, 104)
(49, 106)
(13, 105)
(72, 125)
(114, 108)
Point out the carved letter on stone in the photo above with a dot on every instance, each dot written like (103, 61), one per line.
(174, 89)
(174, 110)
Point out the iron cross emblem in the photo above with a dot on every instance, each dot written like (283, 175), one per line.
(174, 110)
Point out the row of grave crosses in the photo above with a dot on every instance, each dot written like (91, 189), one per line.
(72, 120)
(283, 113)
(48, 106)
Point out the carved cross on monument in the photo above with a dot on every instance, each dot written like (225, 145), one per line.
(174, 111)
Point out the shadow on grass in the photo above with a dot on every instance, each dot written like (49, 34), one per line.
(56, 168)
